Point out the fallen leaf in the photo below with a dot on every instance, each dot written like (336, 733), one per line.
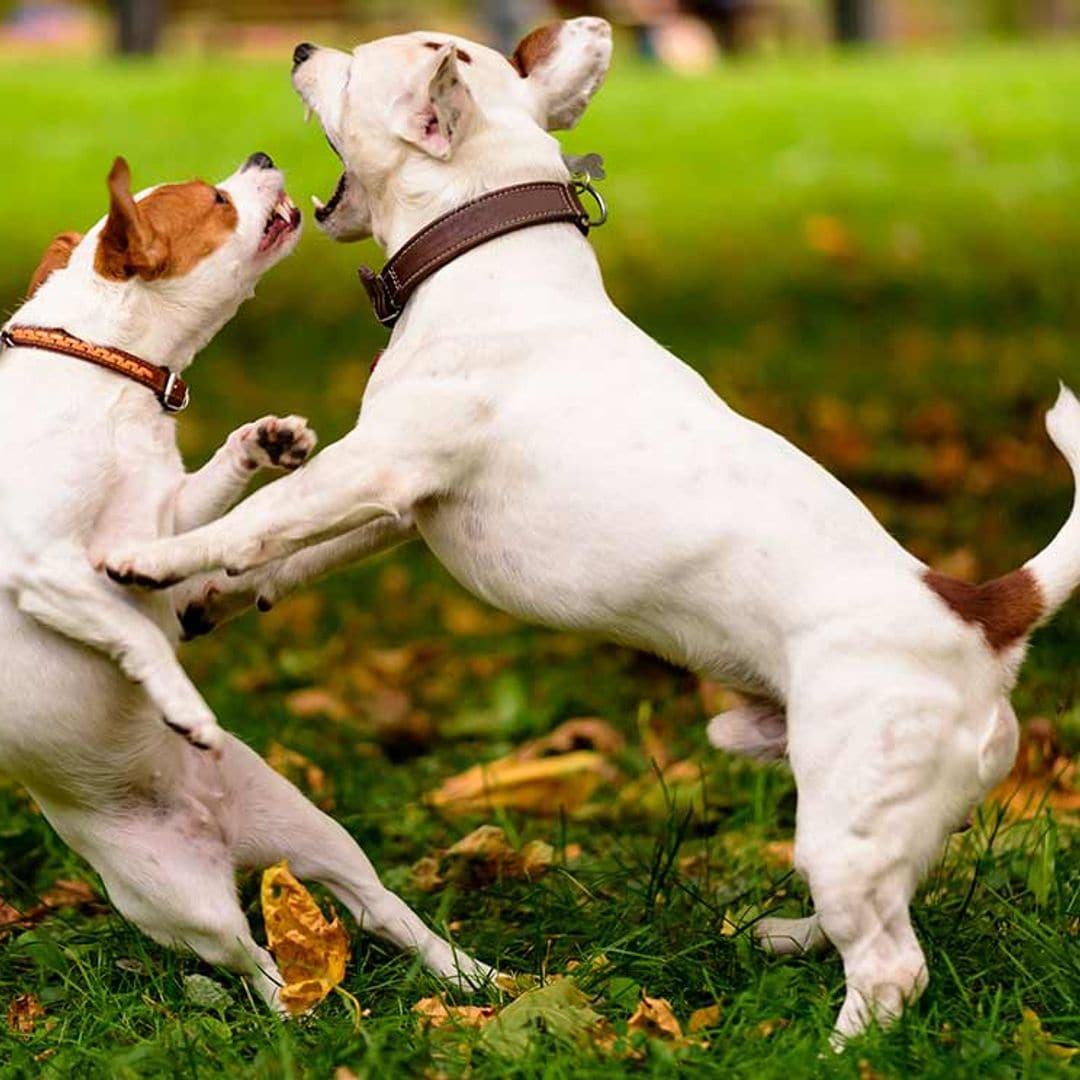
(435, 1013)
(342, 1072)
(654, 1017)
(779, 854)
(700, 1019)
(302, 772)
(1043, 776)
(829, 236)
(1031, 1037)
(426, 874)
(771, 1027)
(544, 786)
(23, 1014)
(205, 992)
(310, 951)
(584, 733)
(317, 701)
(558, 1009)
(69, 894)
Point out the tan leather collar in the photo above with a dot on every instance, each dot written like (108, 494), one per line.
(168, 387)
(447, 237)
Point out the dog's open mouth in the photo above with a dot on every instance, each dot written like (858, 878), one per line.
(283, 219)
(324, 210)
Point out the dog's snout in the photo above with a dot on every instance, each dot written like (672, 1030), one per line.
(258, 160)
(301, 53)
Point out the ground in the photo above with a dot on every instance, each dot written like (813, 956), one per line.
(876, 256)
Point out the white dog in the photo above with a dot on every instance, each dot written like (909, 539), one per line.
(567, 468)
(89, 671)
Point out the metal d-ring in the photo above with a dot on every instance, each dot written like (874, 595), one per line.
(583, 185)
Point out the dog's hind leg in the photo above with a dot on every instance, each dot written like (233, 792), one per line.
(877, 793)
(167, 868)
(271, 820)
(61, 591)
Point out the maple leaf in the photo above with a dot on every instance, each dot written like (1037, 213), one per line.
(310, 950)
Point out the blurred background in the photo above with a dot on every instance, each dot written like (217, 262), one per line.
(857, 218)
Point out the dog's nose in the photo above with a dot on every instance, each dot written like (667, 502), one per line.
(301, 53)
(258, 160)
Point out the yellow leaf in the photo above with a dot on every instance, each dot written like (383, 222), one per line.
(655, 1018)
(830, 237)
(701, 1019)
(1030, 1036)
(544, 786)
(23, 1013)
(425, 874)
(435, 1013)
(310, 951)
(302, 772)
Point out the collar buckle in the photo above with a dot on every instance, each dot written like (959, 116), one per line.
(172, 384)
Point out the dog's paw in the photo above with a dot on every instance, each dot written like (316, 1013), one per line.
(134, 568)
(215, 603)
(276, 442)
(202, 731)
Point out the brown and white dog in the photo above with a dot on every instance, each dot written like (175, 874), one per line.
(569, 469)
(89, 670)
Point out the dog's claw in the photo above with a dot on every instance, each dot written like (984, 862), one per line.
(142, 581)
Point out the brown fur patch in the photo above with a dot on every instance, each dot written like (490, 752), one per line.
(1005, 609)
(56, 257)
(164, 235)
(535, 48)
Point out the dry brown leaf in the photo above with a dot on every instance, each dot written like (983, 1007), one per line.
(425, 874)
(435, 1013)
(23, 1014)
(584, 733)
(779, 854)
(655, 1018)
(310, 951)
(830, 237)
(700, 1019)
(302, 772)
(318, 701)
(485, 855)
(1043, 775)
(342, 1072)
(543, 786)
(69, 894)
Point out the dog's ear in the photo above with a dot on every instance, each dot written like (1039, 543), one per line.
(128, 244)
(56, 257)
(564, 64)
(437, 114)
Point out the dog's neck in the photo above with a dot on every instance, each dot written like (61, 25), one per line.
(424, 189)
(151, 322)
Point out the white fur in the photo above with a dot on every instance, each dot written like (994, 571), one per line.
(570, 470)
(89, 669)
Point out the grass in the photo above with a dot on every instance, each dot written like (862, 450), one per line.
(877, 257)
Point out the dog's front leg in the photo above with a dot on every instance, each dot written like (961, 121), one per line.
(270, 443)
(346, 486)
(206, 602)
(61, 591)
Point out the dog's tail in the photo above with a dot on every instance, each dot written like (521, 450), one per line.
(1010, 607)
(1056, 568)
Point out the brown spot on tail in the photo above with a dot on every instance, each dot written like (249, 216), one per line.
(1005, 609)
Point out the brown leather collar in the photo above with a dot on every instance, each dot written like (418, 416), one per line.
(169, 388)
(447, 237)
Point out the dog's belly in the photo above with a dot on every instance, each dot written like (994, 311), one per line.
(664, 520)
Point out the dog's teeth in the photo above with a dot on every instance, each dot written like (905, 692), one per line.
(307, 113)
(317, 202)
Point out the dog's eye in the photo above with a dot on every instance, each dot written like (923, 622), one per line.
(220, 197)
